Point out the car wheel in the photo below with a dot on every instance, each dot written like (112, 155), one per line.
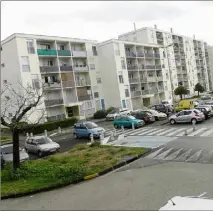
(89, 137)
(26, 150)
(172, 121)
(40, 154)
(75, 136)
(194, 121)
(156, 118)
(116, 126)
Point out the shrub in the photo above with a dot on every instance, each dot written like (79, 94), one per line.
(99, 114)
(109, 109)
(36, 129)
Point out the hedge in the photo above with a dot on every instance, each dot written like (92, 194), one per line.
(49, 126)
(100, 114)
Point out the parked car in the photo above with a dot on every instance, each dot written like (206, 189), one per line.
(210, 107)
(206, 111)
(127, 121)
(157, 114)
(206, 98)
(184, 104)
(111, 115)
(41, 145)
(7, 154)
(146, 116)
(185, 116)
(86, 128)
(161, 108)
(169, 105)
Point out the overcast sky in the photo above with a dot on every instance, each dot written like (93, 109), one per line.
(99, 20)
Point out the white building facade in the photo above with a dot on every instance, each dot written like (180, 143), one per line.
(209, 57)
(68, 68)
(133, 74)
(187, 56)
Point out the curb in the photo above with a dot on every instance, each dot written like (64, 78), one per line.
(88, 177)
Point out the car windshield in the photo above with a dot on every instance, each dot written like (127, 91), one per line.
(8, 149)
(43, 140)
(131, 117)
(90, 125)
(114, 111)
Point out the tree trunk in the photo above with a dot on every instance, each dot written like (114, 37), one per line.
(181, 97)
(16, 153)
(198, 93)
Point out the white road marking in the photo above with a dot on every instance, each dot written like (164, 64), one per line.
(174, 155)
(208, 132)
(183, 133)
(194, 157)
(152, 133)
(174, 132)
(197, 131)
(163, 155)
(162, 133)
(183, 156)
(144, 133)
(135, 132)
(154, 154)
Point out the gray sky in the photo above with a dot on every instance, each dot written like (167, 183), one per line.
(102, 20)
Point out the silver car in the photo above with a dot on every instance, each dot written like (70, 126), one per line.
(41, 145)
(7, 153)
(185, 116)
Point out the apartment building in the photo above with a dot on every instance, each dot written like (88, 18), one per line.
(209, 57)
(133, 74)
(188, 57)
(68, 68)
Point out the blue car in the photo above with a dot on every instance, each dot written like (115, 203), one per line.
(85, 129)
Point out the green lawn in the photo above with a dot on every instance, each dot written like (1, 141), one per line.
(63, 168)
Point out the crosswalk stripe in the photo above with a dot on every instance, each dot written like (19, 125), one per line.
(166, 131)
(144, 133)
(197, 131)
(153, 133)
(138, 131)
(183, 133)
(174, 132)
(208, 132)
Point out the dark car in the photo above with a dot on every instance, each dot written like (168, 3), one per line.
(161, 108)
(146, 116)
(206, 111)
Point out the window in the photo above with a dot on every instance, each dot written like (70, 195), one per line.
(98, 80)
(89, 105)
(30, 47)
(35, 83)
(1, 48)
(121, 79)
(2, 65)
(127, 92)
(25, 64)
(5, 81)
(50, 63)
(164, 55)
(92, 66)
(123, 66)
(96, 95)
(94, 51)
(62, 48)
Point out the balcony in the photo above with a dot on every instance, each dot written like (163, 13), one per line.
(48, 69)
(67, 84)
(177, 57)
(64, 53)
(149, 55)
(57, 117)
(157, 55)
(81, 68)
(160, 89)
(141, 67)
(132, 67)
(145, 92)
(135, 93)
(79, 53)
(158, 67)
(130, 54)
(83, 83)
(53, 102)
(133, 80)
(66, 68)
(150, 67)
(46, 52)
(151, 79)
(175, 40)
(143, 80)
(153, 91)
(159, 78)
(140, 54)
(53, 85)
(84, 97)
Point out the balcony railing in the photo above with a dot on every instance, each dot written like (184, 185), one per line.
(48, 69)
(135, 93)
(64, 53)
(132, 67)
(47, 52)
(133, 80)
(54, 85)
(149, 55)
(160, 89)
(157, 55)
(140, 54)
(83, 83)
(141, 67)
(151, 79)
(66, 84)
(159, 78)
(150, 67)
(153, 91)
(53, 102)
(81, 68)
(57, 117)
(84, 97)
(79, 53)
(66, 68)
(158, 67)
(145, 92)
(130, 54)
(143, 80)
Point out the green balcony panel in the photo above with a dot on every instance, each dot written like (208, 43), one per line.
(64, 53)
(48, 52)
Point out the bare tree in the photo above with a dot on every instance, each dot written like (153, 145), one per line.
(21, 108)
